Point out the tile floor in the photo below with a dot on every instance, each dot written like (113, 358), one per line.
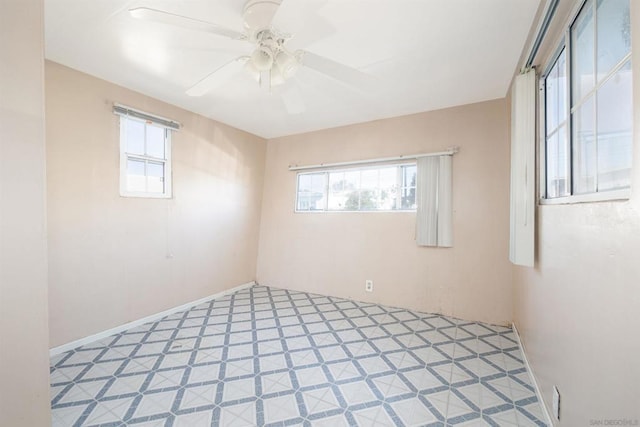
(272, 357)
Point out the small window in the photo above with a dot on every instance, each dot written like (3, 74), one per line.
(557, 142)
(145, 158)
(380, 188)
(588, 104)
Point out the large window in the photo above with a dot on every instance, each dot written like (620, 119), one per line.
(588, 104)
(145, 158)
(378, 188)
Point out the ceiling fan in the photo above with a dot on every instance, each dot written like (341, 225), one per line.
(271, 63)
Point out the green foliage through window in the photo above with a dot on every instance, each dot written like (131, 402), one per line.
(377, 188)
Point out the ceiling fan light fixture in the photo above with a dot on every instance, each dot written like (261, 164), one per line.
(287, 64)
(262, 58)
(250, 68)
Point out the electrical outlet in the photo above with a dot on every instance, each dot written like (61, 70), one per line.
(556, 403)
(368, 285)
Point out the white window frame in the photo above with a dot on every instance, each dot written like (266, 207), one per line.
(328, 171)
(125, 156)
(565, 44)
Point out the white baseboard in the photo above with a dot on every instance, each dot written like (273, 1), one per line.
(532, 376)
(104, 334)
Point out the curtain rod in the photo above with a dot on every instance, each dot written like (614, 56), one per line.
(550, 11)
(449, 152)
(124, 110)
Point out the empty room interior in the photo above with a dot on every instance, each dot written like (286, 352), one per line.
(319, 213)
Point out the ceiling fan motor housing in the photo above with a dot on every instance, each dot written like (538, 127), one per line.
(258, 14)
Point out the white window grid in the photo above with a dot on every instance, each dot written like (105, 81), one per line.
(401, 188)
(565, 47)
(125, 156)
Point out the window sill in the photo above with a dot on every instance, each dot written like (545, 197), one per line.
(145, 195)
(365, 212)
(606, 196)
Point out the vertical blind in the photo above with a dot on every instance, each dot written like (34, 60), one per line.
(523, 141)
(433, 199)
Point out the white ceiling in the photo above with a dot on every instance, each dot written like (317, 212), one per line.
(424, 55)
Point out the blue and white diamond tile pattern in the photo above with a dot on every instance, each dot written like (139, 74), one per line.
(272, 357)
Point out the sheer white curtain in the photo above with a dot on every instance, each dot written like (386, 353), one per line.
(434, 207)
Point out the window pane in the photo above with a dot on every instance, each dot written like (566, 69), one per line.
(582, 36)
(408, 190)
(304, 201)
(368, 200)
(408, 198)
(304, 182)
(318, 182)
(155, 177)
(562, 87)
(388, 188)
(135, 136)
(312, 191)
(564, 167)
(155, 141)
(388, 177)
(387, 199)
(615, 131)
(336, 181)
(558, 164)
(552, 165)
(369, 178)
(352, 201)
(409, 176)
(552, 101)
(351, 195)
(614, 34)
(556, 94)
(352, 180)
(337, 192)
(135, 176)
(584, 148)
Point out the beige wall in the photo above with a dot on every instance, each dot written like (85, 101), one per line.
(333, 253)
(24, 358)
(114, 259)
(578, 310)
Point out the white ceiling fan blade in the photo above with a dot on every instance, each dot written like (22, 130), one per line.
(316, 30)
(292, 16)
(217, 78)
(292, 99)
(345, 74)
(154, 15)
